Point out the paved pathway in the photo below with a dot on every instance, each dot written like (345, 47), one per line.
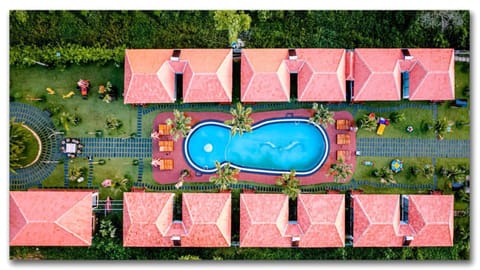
(117, 147)
(392, 147)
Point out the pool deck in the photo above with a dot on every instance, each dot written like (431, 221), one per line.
(171, 176)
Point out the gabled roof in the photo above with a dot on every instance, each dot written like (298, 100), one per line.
(431, 216)
(265, 75)
(148, 76)
(50, 218)
(322, 76)
(207, 219)
(321, 217)
(148, 220)
(432, 77)
(376, 221)
(208, 75)
(263, 220)
(377, 74)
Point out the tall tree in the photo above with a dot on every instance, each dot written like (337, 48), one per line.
(241, 120)
(224, 176)
(233, 21)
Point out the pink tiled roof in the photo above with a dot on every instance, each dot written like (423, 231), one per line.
(207, 219)
(265, 75)
(322, 76)
(148, 220)
(50, 218)
(376, 221)
(432, 77)
(322, 219)
(148, 76)
(431, 216)
(377, 74)
(147, 217)
(263, 220)
(208, 75)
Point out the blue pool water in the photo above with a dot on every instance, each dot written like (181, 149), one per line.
(275, 146)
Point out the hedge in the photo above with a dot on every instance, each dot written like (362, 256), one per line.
(64, 55)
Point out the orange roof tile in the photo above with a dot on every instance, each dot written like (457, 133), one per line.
(432, 77)
(265, 75)
(147, 217)
(377, 74)
(376, 221)
(322, 219)
(149, 78)
(431, 216)
(207, 76)
(50, 218)
(207, 219)
(322, 77)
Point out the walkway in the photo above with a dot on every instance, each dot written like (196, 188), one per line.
(390, 147)
(117, 147)
(40, 122)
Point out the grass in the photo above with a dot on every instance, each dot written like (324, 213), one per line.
(413, 118)
(443, 182)
(27, 83)
(32, 147)
(115, 168)
(363, 172)
(56, 177)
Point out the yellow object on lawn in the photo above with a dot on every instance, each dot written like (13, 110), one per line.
(69, 95)
(50, 91)
(380, 129)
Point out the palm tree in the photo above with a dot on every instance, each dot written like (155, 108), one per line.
(322, 116)
(367, 123)
(340, 171)
(397, 117)
(428, 171)
(180, 124)
(290, 184)
(224, 176)
(441, 126)
(241, 121)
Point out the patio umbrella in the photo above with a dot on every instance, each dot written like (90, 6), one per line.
(396, 165)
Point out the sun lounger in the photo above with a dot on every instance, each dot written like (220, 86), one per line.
(166, 164)
(343, 138)
(343, 124)
(165, 146)
(380, 129)
(164, 129)
(344, 155)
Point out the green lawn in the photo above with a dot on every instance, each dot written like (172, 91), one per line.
(31, 83)
(56, 177)
(443, 182)
(363, 172)
(114, 168)
(413, 118)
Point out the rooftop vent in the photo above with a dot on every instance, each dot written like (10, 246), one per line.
(295, 241)
(175, 55)
(406, 54)
(176, 241)
(407, 240)
(292, 54)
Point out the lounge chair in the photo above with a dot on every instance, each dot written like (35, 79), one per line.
(343, 154)
(343, 138)
(165, 146)
(164, 129)
(343, 124)
(166, 164)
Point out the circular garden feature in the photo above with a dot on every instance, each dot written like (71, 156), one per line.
(25, 146)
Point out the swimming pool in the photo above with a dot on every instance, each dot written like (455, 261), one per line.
(275, 146)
